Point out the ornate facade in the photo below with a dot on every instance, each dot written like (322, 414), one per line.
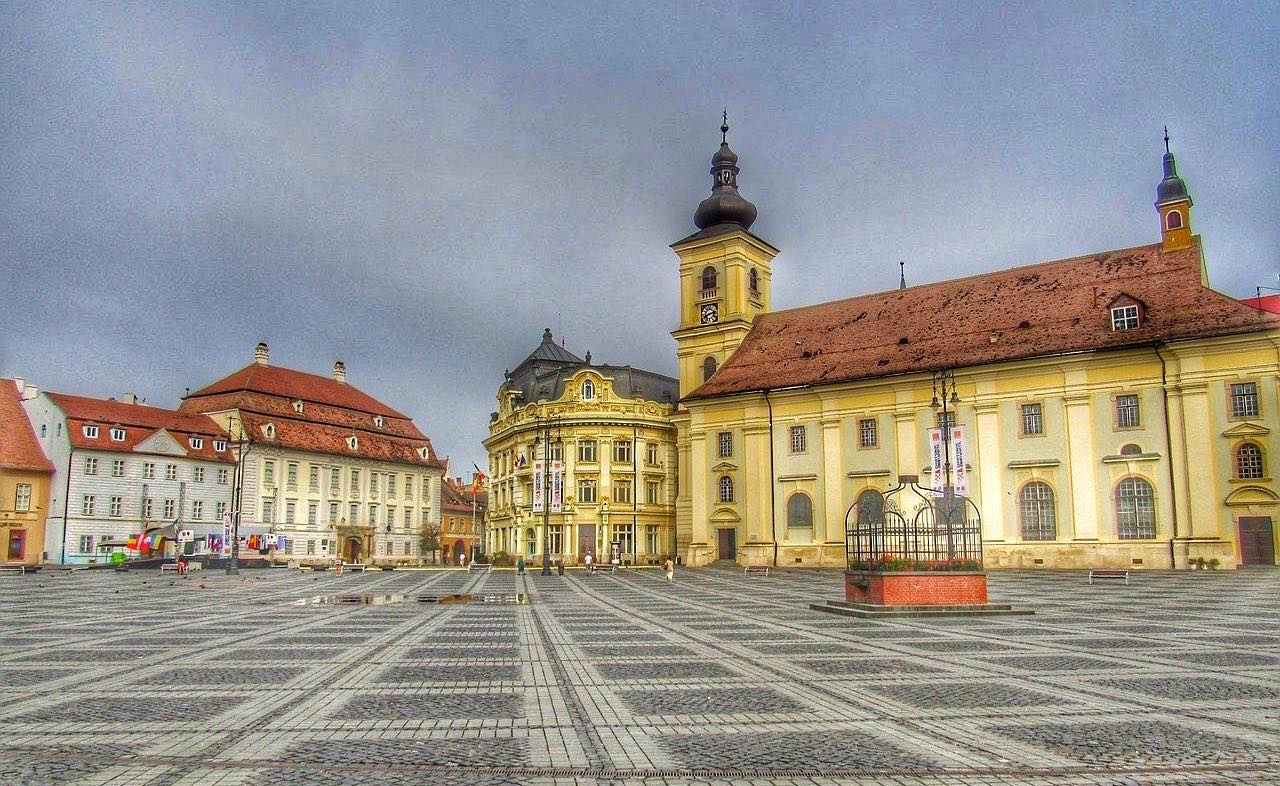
(609, 427)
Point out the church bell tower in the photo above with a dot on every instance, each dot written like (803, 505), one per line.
(1173, 204)
(725, 274)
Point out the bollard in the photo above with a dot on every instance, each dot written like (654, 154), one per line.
(559, 567)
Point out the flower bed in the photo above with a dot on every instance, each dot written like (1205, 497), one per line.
(949, 586)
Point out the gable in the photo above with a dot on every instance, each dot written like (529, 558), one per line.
(161, 442)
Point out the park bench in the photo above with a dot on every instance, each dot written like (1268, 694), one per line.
(756, 570)
(354, 566)
(479, 567)
(1117, 575)
(13, 568)
(168, 566)
(607, 567)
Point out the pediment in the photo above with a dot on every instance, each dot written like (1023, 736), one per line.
(161, 442)
(725, 466)
(1246, 430)
(725, 516)
(1252, 495)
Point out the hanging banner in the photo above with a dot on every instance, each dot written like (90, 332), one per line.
(226, 534)
(961, 454)
(938, 459)
(539, 495)
(186, 535)
(557, 486)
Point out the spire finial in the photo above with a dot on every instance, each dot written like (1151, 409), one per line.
(1166, 139)
(724, 127)
(902, 275)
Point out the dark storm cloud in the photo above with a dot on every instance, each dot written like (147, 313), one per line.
(418, 190)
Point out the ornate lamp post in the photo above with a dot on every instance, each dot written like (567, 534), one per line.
(543, 439)
(237, 495)
(945, 400)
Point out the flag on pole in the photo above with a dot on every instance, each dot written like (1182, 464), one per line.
(477, 481)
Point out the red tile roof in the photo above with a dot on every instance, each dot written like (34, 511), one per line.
(1046, 309)
(139, 422)
(19, 448)
(332, 412)
(456, 497)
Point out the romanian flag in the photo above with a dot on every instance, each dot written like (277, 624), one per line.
(477, 481)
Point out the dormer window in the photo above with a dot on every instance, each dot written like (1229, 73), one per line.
(422, 453)
(588, 390)
(377, 421)
(352, 442)
(1124, 317)
(197, 443)
(219, 445)
(269, 431)
(298, 407)
(117, 434)
(91, 432)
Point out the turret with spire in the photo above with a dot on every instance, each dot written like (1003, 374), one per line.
(725, 205)
(1173, 204)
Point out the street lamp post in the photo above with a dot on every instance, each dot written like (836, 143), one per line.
(233, 567)
(945, 399)
(544, 438)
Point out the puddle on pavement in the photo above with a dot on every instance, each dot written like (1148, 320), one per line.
(509, 599)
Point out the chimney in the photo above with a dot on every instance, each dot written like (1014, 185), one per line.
(260, 355)
(130, 398)
(29, 392)
(340, 371)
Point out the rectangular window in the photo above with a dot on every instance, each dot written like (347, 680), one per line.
(220, 510)
(426, 489)
(313, 513)
(353, 511)
(408, 487)
(333, 513)
(622, 452)
(868, 433)
(798, 441)
(117, 434)
(622, 492)
(22, 498)
(335, 481)
(222, 477)
(626, 537)
(197, 443)
(313, 479)
(408, 518)
(197, 475)
(148, 470)
(1127, 414)
(1244, 400)
(391, 516)
(311, 547)
(355, 482)
(170, 471)
(169, 509)
(291, 475)
(268, 473)
(91, 432)
(86, 505)
(725, 442)
(148, 507)
(90, 465)
(652, 495)
(586, 491)
(1124, 317)
(86, 544)
(651, 454)
(557, 451)
(197, 510)
(651, 539)
(219, 445)
(373, 484)
(117, 468)
(117, 507)
(373, 515)
(587, 451)
(1032, 420)
(946, 420)
(290, 511)
(554, 539)
(391, 485)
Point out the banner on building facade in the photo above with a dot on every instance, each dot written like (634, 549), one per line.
(539, 495)
(557, 486)
(959, 450)
(938, 458)
(226, 534)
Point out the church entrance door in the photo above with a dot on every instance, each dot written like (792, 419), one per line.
(726, 543)
(351, 549)
(1257, 542)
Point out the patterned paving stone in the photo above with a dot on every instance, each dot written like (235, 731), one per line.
(135, 708)
(878, 667)
(453, 653)
(1211, 689)
(1130, 743)
(16, 678)
(220, 676)
(819, 751)
(655, 670)
(490, 751)
(479, 672)
(955, 695)
(433, 706)
(708, 701)
(1053, 663)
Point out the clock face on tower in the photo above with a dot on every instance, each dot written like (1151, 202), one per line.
(710, 314)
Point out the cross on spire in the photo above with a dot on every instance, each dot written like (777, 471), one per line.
(1166, 139)
(724, 127)
(902, 275)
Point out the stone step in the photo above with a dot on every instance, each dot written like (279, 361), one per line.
(868, 611)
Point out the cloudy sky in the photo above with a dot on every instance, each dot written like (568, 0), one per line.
(419, 189)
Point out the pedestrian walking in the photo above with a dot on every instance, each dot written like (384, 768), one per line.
(669, 568)
(587, 562)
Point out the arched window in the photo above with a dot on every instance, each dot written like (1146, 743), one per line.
(708, 278)
(1035, 504)
(588, 390)
(870, 508)
(1135, 509)
(1131, 450)
(726, 488)
(1249, 462)
(708, 368)
(1173, 220)
(754, 278)
(799, 511)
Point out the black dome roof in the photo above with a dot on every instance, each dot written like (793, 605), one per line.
(725, 205)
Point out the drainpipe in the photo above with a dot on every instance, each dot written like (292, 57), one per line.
(1168, 441)
(773, 517)
(66, 502)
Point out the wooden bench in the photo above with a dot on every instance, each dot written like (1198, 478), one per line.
(1097, 575)
(606, 567)
(168, 566)
(479, 567)
(354, 566)
(13, 568)
(754, 570)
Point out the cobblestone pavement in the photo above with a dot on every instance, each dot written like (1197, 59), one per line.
(135, 679)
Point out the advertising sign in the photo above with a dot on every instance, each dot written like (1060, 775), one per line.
(938, 459)
(539, 493)
(226, 534)
(557, 486)
(960, 451)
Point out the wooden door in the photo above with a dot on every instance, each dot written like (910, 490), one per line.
(726, 543)
(587, 541)
(1257, 542)
(17, 544)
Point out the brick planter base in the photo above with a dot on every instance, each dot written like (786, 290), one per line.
(943, 588)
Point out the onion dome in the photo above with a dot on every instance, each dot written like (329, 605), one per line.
(1172, 188)
(725, 205)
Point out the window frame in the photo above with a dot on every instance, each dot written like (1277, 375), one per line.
(587, 390)
(1260, 462)
(808, 500)
(1035, 532)
(1117, 407)
(91, 432)
(585, 447)
(1135, 530)
(1031, 413)
(863, 431)
(117, 434)
(724, 444)
(1121, 317)
(797, 439)
(725, 490)
(1242, 413)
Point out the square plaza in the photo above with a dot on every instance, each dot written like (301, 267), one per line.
(264, 678)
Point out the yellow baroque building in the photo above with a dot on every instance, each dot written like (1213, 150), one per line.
(610, 430)
(1115, 410)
